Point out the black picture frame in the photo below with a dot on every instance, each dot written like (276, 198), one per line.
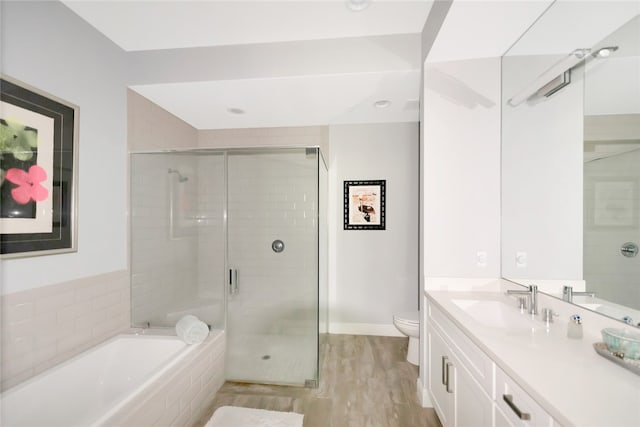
(45, 224)
(365, 204)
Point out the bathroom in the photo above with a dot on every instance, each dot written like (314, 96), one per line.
(72, 301)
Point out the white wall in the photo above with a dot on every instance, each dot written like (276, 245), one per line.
(542, 175)
(461, 157)
(47, 46)
(56, 306)
(374, 274)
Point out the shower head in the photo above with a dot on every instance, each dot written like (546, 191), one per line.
(181, 178)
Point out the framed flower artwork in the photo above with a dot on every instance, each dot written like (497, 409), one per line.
(38, 171)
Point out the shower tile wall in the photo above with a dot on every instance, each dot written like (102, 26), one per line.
(273, 196)
(211, 238)
(178, 267)
(163, 267)
(612, 217)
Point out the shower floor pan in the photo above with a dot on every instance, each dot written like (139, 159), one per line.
(271, 359)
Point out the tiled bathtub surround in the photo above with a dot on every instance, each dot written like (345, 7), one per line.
(181, 395)
(44, 326)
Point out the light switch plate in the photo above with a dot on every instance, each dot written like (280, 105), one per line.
(481, 258)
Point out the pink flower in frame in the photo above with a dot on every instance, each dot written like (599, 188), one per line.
(28, 184)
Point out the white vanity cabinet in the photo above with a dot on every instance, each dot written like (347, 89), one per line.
(441, 378)
(458, 398)
(466, 386)
(460, 377)
(517, 407)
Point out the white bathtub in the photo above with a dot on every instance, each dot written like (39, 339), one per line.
(91, 387)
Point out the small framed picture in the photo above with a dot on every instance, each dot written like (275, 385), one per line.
(364, 205)
(38, 171)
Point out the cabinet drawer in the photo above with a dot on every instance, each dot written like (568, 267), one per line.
(479, 365)
(520, 401)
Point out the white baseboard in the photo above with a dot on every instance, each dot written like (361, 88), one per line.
(365, 329)
(423, 395)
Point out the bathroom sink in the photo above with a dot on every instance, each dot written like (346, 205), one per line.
(495, 314)
(594, 307)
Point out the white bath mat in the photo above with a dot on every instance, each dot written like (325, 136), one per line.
(233, 416)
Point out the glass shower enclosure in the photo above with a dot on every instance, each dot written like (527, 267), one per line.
(237, 238)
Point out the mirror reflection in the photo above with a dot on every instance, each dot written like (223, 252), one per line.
(571, 156)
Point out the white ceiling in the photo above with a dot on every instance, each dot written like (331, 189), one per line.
(582, 24)
(160, 24)
(484, 29)
(304, 97)
(295, 95)
(299, 101)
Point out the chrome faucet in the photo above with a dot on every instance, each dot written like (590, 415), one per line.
(532, 294)
(568, 293)
(142, 326)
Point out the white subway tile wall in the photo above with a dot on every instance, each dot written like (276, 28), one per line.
(611, 218)
(45, 326)
(211, 238)
(167, 225)
(274, 196)
(178, 242)
(182, 395)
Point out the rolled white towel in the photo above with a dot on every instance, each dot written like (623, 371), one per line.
(191, 329)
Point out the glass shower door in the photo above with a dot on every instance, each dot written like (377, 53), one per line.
(272, 250)
(177, 238)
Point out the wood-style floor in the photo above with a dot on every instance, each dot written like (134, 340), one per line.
(365, 381)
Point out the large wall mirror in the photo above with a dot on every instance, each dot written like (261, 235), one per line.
(571, 155)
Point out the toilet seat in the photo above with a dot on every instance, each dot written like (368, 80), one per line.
(410, 318)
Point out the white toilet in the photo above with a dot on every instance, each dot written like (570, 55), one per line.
(409, 324)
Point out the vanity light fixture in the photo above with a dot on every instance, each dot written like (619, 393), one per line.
(553, 79)
(604, 52)
(236, 111)
(383, 103)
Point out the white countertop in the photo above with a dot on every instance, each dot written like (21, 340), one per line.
(565, 376)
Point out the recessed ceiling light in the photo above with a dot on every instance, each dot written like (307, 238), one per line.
(234, 110)
(383, 103)
(357, 5)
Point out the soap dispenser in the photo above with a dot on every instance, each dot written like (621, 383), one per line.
(574, 328)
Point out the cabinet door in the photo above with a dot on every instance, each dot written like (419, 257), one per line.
(438, 360)
(473, 408)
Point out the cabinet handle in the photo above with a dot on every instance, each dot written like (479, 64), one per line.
(445, 373)
(448, 384)
(522, 415)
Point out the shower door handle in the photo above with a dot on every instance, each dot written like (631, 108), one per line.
(233, 281)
